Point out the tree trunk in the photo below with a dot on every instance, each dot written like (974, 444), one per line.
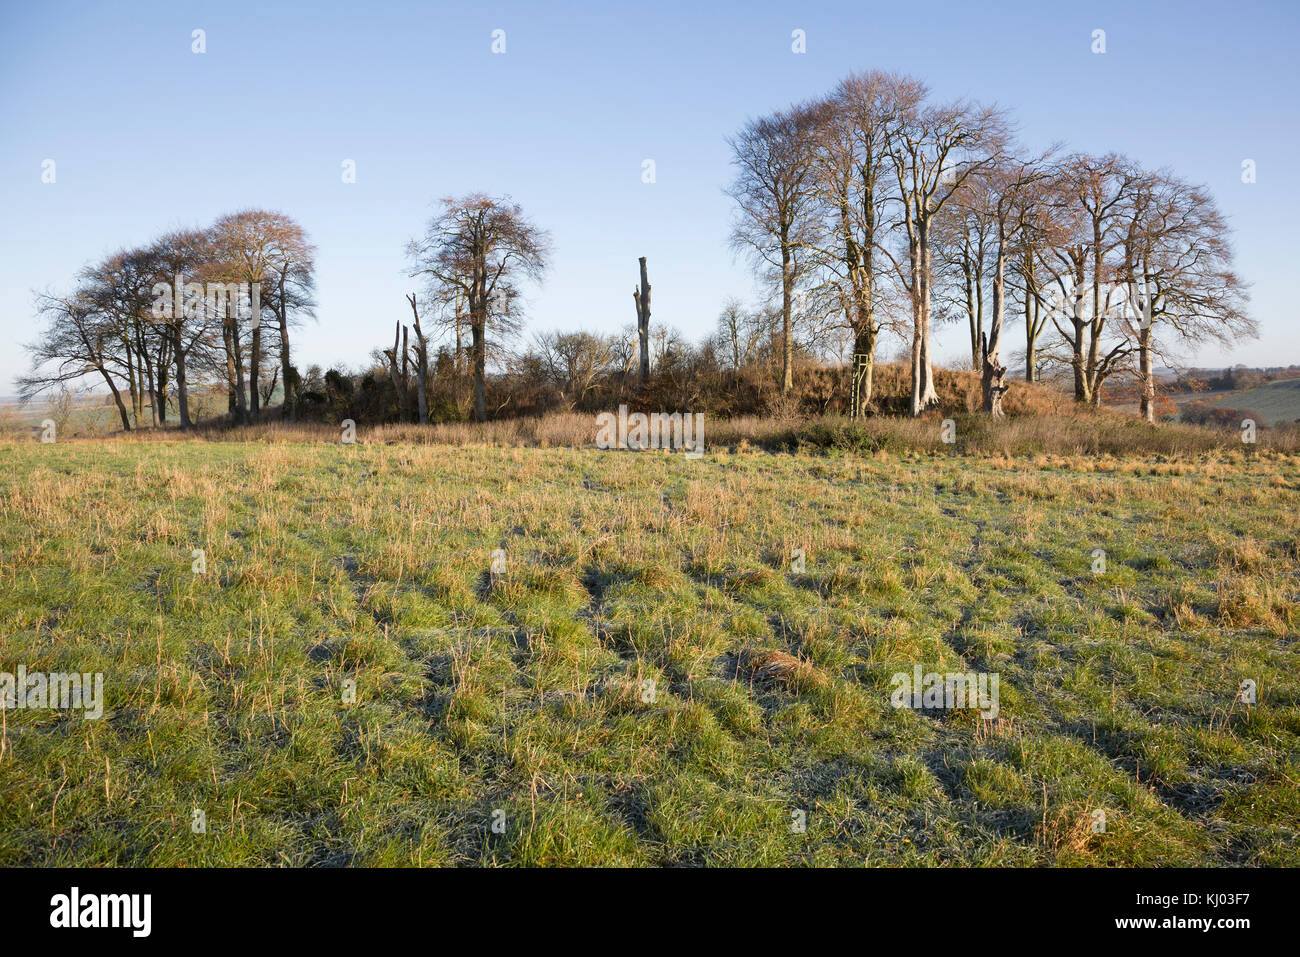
(460, 349)
(1147, 366)
(1081, 391)
(289, 410)
(478, 315)
(864, 362)
(993, 375)
(162, 395)
(923, 390)
(478, 350)
(1031, 319)
(406, 374)
(422, 387)
(914, 293)
(148, 385)
(254, 367)
(241, 393)
(131, 384)
(235, 369)
(182, 386)
(1094, 326)
(976, 330)
(860, 259)
(421, 364)
(117, 400)
(397, 373)
(642, 299)
(787, 303)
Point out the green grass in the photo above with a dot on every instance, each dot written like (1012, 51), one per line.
(648, 682)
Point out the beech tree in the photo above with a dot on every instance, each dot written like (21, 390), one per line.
(850, 163)
(774, 193)
(271, 250)
(291, 266)
(1026, 274)
(1177, 272)
(962, 244)
(1084, 264)
(120, 290)
(184, 254)
(1007, 199)
(480, 248)
(935, 150)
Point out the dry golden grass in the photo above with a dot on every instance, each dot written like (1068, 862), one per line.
(781, 668)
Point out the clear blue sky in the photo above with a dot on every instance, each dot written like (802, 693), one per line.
(147, 135)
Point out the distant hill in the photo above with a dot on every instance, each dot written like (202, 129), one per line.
(1278, 402)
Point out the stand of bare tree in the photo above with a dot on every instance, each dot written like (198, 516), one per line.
(875, 175)
(150, 322)
(869, 213)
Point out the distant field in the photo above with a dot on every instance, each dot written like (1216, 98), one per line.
(1278, 402)
(85, 417)
(647, 679)
(89, 415)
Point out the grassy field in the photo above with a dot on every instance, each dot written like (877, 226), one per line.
(89, 415)
(1278, 402)
(645, 679)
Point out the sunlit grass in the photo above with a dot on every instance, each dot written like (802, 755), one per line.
(648, 680)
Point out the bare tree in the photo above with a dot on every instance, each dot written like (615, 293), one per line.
(739, 334)
(129, 322)
(850, 163)
(183, 254)
(479, 247)
(573, 361)
(1026, 274)
(1177, 271)
(1084, 264)
(120, 290)
(291, 264)
(774, 191)
(78, 340)
(271, 253)
(962, 244)
(935, 150)
(1006, 197)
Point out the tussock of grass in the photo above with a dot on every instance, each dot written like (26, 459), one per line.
(777, 667)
